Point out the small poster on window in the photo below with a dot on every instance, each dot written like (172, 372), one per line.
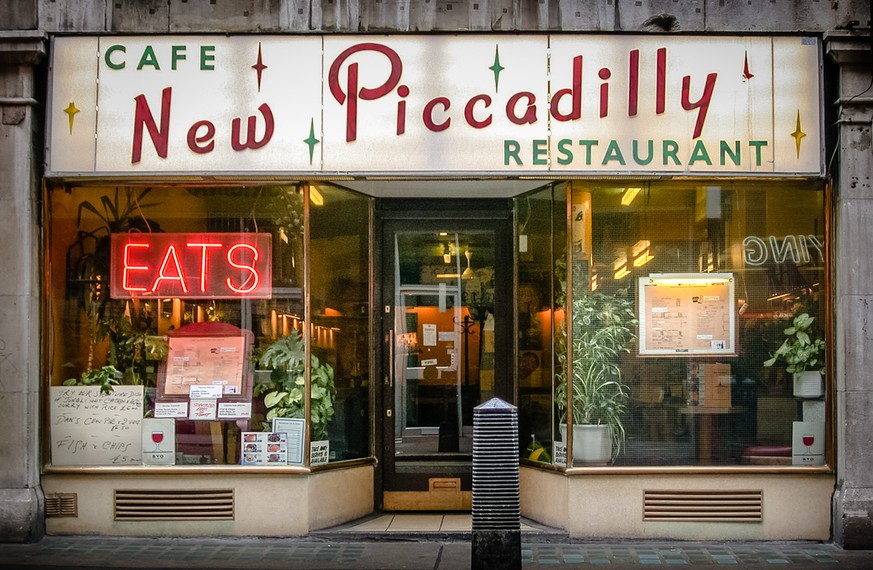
(295, 428)
(808, 443)
(158, 441)
(264, 448)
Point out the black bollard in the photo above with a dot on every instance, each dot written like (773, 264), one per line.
(496, 497)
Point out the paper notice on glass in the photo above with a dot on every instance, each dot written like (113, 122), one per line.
(171, 409)
(203, 410)
(319, 452)
(234, 410)
(429, 334)
(204, 392)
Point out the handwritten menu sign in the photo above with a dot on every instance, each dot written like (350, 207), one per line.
(90, 428)
(687, 314)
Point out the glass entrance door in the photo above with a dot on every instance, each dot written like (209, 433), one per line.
(446, 333)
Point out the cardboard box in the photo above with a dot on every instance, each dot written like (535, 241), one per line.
(715, 385)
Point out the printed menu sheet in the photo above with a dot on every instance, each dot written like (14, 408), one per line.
(197, 362)
(687, 314)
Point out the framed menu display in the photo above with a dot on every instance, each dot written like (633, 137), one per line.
(203, 366)
(207, 374)
(687, 314)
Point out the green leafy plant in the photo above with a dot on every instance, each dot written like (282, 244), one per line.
(105, 377)
(285, 393)
(603, 328)
(88, 257)
(135, 352)
(802, 349)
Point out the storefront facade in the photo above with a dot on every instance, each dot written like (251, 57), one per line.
(275, 274)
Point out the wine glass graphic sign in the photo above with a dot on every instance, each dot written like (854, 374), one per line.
(157, 438)
(808, 440)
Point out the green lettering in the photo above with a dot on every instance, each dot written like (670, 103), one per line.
(613, 152)
(207, 56)
(565, 147)
(510, 150)
(587, 144)
(651, 149)
(540, 152)
(669, 150)
(725, 151)
(699, 153)
(108, 57)
(757, 145)
(178, 55)
(148, 58)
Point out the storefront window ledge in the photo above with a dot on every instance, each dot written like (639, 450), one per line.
(701, 469)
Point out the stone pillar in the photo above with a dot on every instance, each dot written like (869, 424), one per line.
(853, 288)
(21, 513)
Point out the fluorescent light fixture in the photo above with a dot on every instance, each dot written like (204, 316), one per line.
(643, 259)
(621, 273)
(620, 267)
(315, 197)
(640, 247)
(629, 195)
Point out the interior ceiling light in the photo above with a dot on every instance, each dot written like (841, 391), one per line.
(315, 197)
(629, 195)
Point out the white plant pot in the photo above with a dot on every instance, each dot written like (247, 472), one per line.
(809, 384)
(592, 444)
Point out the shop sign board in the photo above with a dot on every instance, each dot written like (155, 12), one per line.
(435, 104)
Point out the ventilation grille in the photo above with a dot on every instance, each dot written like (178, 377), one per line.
(62, 505)
(183, 505)
(703, 506)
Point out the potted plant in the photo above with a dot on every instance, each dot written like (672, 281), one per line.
(284, 393)
(803, 351)
(105, 377)
(602, 330)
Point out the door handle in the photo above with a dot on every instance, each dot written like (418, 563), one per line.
(389, 378)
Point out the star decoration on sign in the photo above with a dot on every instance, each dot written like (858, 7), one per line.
(746, 73)
(798, 134)
(259, 66)
(311, 141)
(71, 111)
(496, 68)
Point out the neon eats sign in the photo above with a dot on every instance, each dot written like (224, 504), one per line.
(191, 266)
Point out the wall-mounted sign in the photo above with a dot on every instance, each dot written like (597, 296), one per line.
(510, 104)
(687, 314)
(191, 266)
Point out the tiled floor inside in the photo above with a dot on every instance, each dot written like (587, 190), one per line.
(436, 522)
(422, 522)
